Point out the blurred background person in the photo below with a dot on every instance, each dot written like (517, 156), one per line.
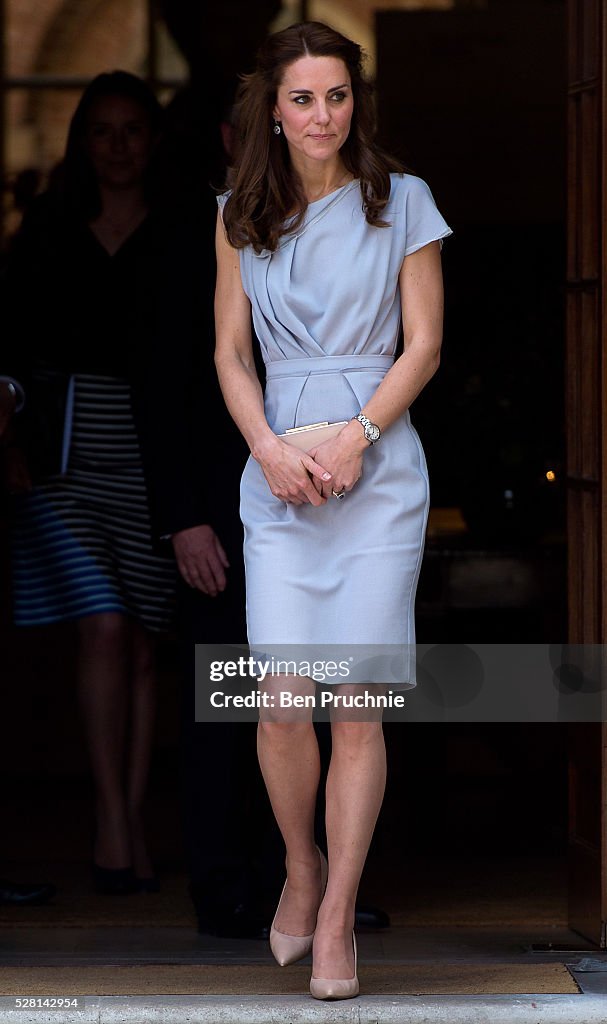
(82, 537)
(122, 391)
(196, 458)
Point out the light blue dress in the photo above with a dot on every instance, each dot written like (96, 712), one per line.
(326, 310)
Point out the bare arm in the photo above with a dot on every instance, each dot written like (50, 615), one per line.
(421, 288)
(287, 470)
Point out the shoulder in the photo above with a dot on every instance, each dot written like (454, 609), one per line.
(404, 186)
(173, 244)
(222, 198)
(415, 212)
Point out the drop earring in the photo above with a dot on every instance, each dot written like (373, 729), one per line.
(277, 128)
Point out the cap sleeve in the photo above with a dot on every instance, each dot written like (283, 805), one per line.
(422, 221)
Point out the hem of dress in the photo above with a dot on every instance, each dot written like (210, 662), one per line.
(26, 622)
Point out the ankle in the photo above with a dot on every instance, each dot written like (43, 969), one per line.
(336, 919)
(111, 809)
(303, 862)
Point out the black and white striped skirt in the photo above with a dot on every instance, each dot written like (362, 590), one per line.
(82, 541)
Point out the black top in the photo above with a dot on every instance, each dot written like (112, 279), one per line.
(76, 307)
(144, 313)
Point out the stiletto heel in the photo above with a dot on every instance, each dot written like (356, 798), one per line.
(337, 988)
(113, 881)
(287, 949)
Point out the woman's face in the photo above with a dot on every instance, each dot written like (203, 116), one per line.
(118, 141)
(314, 103)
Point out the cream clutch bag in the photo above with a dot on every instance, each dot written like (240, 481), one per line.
(310, 436)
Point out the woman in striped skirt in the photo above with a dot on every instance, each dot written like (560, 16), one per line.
(83, 539)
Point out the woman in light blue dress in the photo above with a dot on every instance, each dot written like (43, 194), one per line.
(330, 249)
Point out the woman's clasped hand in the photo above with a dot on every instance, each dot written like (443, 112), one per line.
(298, 477)
(292, 474)
(343, 456)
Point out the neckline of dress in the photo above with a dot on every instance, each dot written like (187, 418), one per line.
(311, 216)
(125, 242)
(334, 192)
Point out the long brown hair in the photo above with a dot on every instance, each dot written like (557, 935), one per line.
(266, 190)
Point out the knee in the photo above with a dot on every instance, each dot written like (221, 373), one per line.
(352, 736)
(276, 732)
(103, 632)
(143, 662)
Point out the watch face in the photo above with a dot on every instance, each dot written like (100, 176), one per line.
(372, 432)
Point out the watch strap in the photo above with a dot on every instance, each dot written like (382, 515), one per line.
(368, 427)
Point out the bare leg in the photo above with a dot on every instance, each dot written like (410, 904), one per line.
(143, 712)
(290, 765)
(103, 663)
(355, 789)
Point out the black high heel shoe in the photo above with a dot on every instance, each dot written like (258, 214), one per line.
(149, 884)
(113, 881)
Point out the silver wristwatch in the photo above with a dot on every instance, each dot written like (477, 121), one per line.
(372, 431)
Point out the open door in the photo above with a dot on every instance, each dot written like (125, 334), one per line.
(586, 375)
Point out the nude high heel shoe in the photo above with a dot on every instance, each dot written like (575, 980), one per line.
(287, 949)
(337, 988)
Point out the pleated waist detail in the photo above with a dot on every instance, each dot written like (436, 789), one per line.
(318, 389)
(326, 364)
